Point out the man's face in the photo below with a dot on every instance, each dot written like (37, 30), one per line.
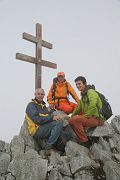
(61, 79)
(80, 85)
(39, 94)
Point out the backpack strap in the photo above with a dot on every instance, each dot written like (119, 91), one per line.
(54, 90)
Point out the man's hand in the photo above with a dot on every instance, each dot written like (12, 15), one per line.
(66, 117)
(56, 118)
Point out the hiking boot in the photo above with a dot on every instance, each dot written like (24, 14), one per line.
(45, 146)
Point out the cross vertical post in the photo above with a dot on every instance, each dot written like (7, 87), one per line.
(37, 60)
(38, 69)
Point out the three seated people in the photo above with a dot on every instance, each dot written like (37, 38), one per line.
(44, 125)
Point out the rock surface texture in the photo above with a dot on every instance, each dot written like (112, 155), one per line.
(23, 158)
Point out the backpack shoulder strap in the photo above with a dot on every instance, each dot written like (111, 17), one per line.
(54, 88)
(67, 88)
(87, 88)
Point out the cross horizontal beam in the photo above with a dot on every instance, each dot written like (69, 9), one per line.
(48, 64)
(30, 59)
(26, 58)
(34, 39)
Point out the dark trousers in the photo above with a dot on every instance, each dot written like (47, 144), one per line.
(50, 131)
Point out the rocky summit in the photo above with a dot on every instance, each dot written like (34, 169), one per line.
(24, 159)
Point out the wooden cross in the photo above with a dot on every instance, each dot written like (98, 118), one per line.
(38, 58)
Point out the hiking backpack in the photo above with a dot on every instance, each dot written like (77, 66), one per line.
(106, 110)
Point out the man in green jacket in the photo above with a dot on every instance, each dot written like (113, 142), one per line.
(87, 113)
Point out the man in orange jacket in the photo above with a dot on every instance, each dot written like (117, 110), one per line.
(59, 92)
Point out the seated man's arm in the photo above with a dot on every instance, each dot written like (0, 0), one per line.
(77, 110)
(35, 115)
(49, 97)
(73, 93)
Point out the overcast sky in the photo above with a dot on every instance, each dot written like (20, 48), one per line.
(86, 41)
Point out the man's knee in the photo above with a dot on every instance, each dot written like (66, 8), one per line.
(66, 107)
(57, 123)
(60, 123)
(100, 123)
(69, 109)
(71, 122)
(74, 120)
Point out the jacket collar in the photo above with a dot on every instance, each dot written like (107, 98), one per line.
(64, 82)
(84, 92)
(37, 102)
(87, 88)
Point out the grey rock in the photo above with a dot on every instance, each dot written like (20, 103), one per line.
(55, 159)
(100, 154)
(112, 170)
(10, 177)
(4, 163)
(28, 166)
(50, 167)
(57, 112)
(42, 153)
(115, 123)
(2, 146)
(2, 178)
(55, 175)
(111, 143)
(73, 149)
(115, 141)
(83, 175)
(105, 145)
(95, 164)
(17, 145)
(32, 154)
(61, 113)
(67, 178)
(80, 163)
(29, 141)
(60, 163)
(23, 158)
(65, 159)
(116, 157)
(7, 148)
(116, 138)
(101, 131)
(64, 169)
(27, 148)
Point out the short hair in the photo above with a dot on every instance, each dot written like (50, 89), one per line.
(39, 89)
(81, 78)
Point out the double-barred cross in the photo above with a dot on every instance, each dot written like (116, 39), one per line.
(37, 60)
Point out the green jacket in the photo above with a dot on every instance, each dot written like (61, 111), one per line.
(89, 105)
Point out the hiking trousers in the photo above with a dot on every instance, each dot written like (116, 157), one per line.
(67, 107)
(79, 122)
(49, 131)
